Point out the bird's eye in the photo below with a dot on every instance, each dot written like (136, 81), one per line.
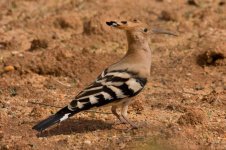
(135, 20)
(145, 30)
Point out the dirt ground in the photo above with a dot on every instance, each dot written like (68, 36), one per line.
(50, 50)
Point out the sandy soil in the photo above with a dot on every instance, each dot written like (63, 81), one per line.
(50, 50)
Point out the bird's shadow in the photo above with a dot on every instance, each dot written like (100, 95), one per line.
(76, 126)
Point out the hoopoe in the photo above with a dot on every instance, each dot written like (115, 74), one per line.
(117, 84)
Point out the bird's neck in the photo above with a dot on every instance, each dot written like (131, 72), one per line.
(138, 54)
(137, 58)
(137, 44)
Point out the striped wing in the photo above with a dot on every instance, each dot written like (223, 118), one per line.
(108, 87)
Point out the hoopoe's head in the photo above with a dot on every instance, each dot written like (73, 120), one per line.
(130, 26)
(136, 27)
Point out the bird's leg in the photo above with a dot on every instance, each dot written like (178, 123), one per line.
(113, 110)
(124, 114)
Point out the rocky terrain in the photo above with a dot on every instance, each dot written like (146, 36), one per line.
(50, 50)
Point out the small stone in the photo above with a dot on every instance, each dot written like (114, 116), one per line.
(192, 2)
(199, 87)
(167, 16)
(122, 145)
(37, 44)
(3, 45)
(13, 91)
(9, 68)
(188, 74)
(88, 142)
(21, 55)
(14, 53)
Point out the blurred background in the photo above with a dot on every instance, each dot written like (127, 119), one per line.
(50, 50)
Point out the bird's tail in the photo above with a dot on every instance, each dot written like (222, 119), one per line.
(60, 116)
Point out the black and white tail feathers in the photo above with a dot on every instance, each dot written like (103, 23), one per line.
(108, 87)
(61, 115)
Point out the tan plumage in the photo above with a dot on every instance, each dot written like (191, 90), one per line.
(119, 82)
(137, 59)
(138, 56)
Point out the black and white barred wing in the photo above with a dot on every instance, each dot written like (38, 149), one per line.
(108, 87)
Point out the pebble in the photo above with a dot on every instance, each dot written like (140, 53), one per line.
(192, 2)
(9, 68)
(122, 145)
(199, 87)
(14, 53)
(188, 74)
(88, 142)
(21, 55)
(167, 16)
(3, 45)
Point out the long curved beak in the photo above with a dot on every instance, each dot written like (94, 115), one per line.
(160, 31)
